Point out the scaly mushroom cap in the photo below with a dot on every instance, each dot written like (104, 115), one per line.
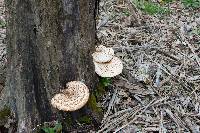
(100, 48)
(103, 54)
(74, 97)
(110, 69)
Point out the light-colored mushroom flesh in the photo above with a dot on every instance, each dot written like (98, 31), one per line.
(110, 69)
(103, 54)
(74, 97)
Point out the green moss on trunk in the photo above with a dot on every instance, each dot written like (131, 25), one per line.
(5, 113)
(92, 103)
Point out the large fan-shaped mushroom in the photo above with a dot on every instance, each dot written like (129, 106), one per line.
(74, 97)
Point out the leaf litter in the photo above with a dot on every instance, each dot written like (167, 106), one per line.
(159, 88)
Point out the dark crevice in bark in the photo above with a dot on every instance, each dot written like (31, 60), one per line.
(69, 47)
(26, 85)
(41, 99)
(42, 102)
(96, 11)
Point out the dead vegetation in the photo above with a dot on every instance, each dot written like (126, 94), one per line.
(2, 44)
(159, 88)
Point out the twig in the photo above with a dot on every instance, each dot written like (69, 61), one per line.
(110, 105)
(135, 117)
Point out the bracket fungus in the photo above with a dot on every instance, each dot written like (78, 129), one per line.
(103, 54)
(74, 97)
(106, 64)
(110, 69)
(100, 48)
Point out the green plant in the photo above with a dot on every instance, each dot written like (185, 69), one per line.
(126, 12)
(105, 81)
(167, 1)
(101, 89)
(2, 24)
(150, 7)
(56, 129)
(94, 97)
(191, 3)
(196, 31)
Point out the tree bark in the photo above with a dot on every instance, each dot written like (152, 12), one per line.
(49, 43)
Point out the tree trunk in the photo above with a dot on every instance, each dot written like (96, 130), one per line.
(49, 43)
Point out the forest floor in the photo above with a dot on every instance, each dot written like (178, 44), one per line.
(2, 44)
(159, 44)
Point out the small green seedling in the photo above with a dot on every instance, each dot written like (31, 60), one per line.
(196, 31)
(103, 84)
(56, 129)
(126, 12)
(194, 4)
(151, 8)
(105, 81)
(2, 24)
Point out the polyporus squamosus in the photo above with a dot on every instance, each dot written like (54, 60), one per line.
(103, 54)
(74, 97)
(110, 69)
(106, 64)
